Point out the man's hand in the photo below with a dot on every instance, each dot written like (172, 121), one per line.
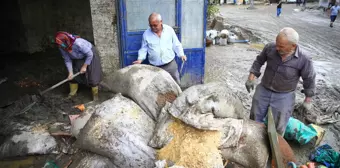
(250, 85)
(307, 104)
(83, 69)
(70, 76)
(137, 62)
(184, 58)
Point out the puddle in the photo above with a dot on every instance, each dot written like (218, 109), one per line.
(258, 46)
(18, 163)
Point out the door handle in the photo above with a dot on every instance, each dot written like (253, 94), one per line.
(176, 28)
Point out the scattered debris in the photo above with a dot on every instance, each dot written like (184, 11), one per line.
(223, 41)
(27, 82)
(68, 164)
(297, 10)
(326, 155)
(222, 33)
(94, 161)
(252, 7)
(61, 134)
(18, 163)
(50, 164)
(28, 140)
(81, 107)
(72, 118)
(3, 80)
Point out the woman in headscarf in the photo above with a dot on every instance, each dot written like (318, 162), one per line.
(80, 56)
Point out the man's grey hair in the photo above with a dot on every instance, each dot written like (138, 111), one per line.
(291, 35)
(156, 16)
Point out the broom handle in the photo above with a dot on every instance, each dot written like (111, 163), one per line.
(58, 84)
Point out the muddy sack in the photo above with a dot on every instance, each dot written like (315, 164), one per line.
(120, 130)
(231, 131)
(161, 136)
(253, 147)
(28, 140)
(207, 106)
(95, 161)
(183, 145)
(150, 87)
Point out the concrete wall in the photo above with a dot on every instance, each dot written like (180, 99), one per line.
(42, 19)
(104, 24)
(31, 24)
(13, 35)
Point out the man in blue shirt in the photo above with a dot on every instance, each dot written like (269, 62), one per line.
(161, 44)
(334, 13)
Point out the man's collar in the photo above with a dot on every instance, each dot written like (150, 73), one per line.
(162, 28)
(296, 54)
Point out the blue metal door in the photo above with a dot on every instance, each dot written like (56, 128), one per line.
(187, 17)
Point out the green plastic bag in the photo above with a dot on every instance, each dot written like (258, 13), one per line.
(50, 164)
(299, 132)
(326, 155)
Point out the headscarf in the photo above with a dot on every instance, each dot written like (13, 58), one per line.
(65, 40)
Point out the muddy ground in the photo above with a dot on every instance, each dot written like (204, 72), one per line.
(22, 77)
(26, 74)
(230, 64)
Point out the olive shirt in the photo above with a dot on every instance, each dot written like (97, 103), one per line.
(283, 76)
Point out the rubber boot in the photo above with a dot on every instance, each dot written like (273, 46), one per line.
(73, 90)
(95, 93)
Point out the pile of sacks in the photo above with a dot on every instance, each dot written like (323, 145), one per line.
(221, 38)
(221, 33)
(150, 123)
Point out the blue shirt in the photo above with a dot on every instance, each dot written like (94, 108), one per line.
(80, 49)
(334, 10)
(160, 50)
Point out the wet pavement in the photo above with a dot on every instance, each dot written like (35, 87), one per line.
(230, 64)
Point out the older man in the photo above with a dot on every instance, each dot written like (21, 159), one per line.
(286, 63)
(161, 43)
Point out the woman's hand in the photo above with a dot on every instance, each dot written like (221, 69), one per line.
(83, 69)
(70, 76)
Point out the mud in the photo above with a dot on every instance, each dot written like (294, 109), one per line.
(167, 97)
(230, 64)
(50, 109)
(26, 74)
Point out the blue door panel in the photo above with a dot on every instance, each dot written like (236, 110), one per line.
(133, 42)
(130, 57)
(192, 72)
